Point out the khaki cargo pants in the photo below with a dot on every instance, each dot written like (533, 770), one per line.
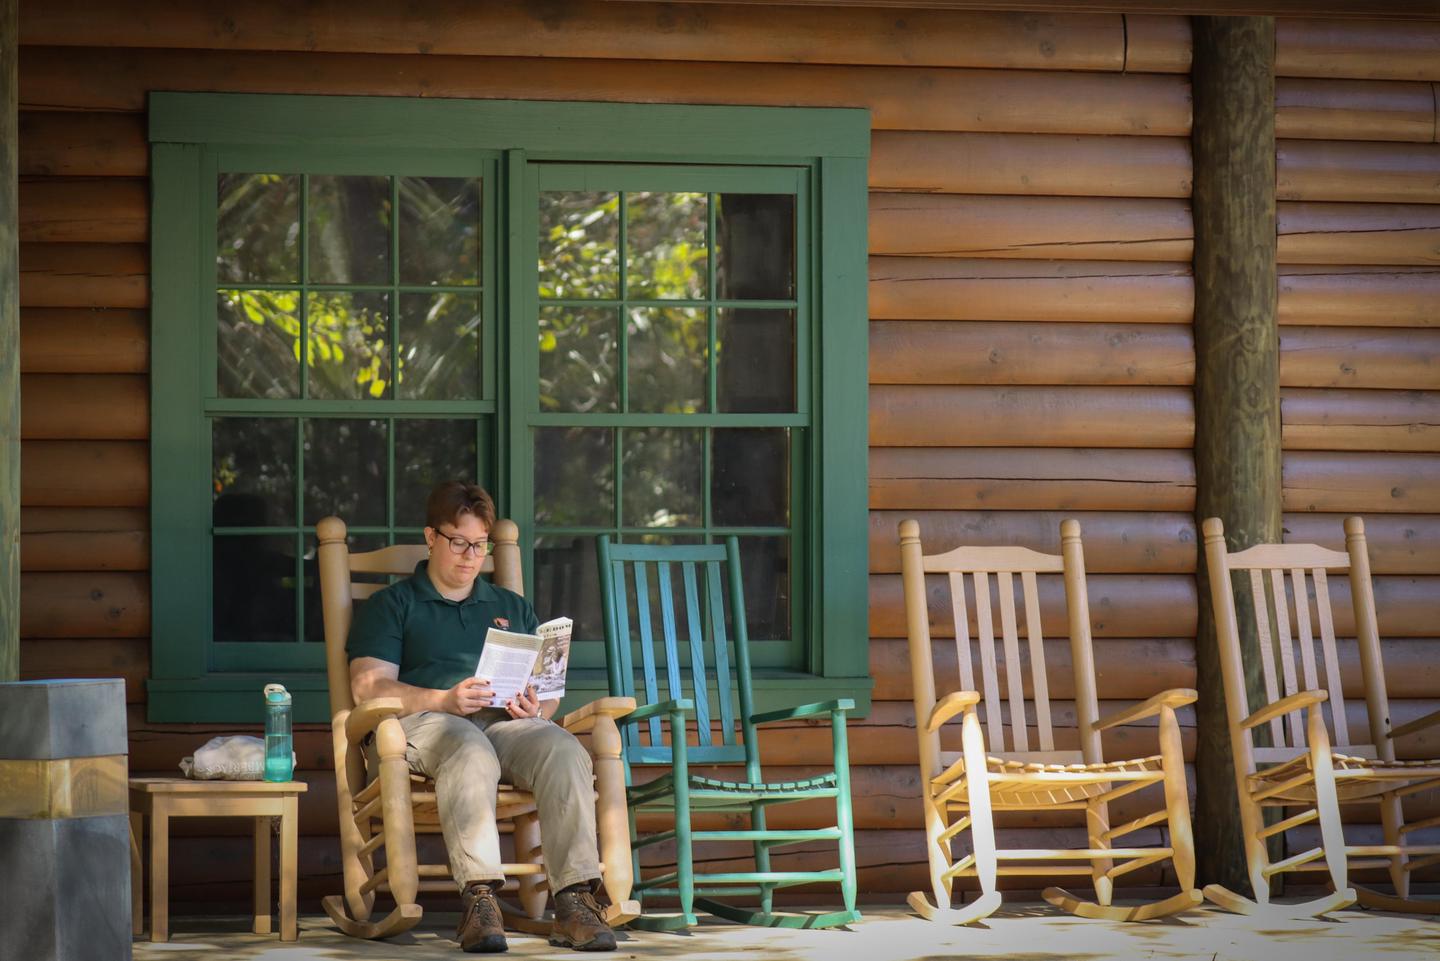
(468, 756)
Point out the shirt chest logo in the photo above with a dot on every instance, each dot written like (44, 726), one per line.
(502, 622)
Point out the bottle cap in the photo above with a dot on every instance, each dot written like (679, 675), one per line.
(276, 693)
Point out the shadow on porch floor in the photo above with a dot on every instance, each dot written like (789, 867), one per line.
(1020, 933)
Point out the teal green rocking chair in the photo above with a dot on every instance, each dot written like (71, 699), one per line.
(703, 676)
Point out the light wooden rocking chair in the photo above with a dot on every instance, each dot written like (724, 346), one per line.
(1308, 765)
(961, 790)
(396, 804)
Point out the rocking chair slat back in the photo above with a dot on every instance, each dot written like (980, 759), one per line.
(657, 582)
(1007, 711)
(1038, 680)
(1289, 660)
(697, 655)
(1267, 649)
(1332, 658)
(715, 594)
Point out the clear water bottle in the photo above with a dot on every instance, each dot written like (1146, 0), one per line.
(279, 755)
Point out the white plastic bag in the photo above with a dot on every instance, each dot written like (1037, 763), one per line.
(235, 758)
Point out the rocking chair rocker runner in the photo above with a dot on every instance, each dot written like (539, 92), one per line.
(701, 671)
(1311, 766)
(961, 790)
(396, 804)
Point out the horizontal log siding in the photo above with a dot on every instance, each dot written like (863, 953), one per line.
(1031, 356)
(1359, 220)
(1030, 239)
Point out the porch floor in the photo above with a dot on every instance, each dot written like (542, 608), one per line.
(1019, 933)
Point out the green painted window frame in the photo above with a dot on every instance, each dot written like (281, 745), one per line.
(189, 131)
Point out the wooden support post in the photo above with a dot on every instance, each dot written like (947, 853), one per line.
(1237, 375)
(9, 348)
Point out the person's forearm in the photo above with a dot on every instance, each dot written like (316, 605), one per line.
(413, 699)
(548, 708)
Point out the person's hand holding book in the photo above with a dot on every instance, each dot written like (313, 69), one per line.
(524, 704)
(469, 696)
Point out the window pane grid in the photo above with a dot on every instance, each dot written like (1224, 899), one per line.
(712, 400)
(653, 415)
(670, 420)
(359, 342)
(390, 452)
(302, 535)
(706, 473)
(302, 287)
(623, 370)
(368, 288)
(357, 529)
(291, 407)
(722, 302)
(711, 534)
(300, 513)
(395, 315)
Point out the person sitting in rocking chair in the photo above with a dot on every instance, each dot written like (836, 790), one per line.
(419, 640)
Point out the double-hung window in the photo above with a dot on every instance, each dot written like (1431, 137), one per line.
(645, 321)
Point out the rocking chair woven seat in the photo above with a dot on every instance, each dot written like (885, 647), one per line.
(1086, 781)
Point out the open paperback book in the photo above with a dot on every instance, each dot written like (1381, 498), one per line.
(511, 660)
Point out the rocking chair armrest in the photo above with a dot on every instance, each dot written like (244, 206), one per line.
(1173, 698)
(1285, 705)
(950, 705)
(680, 705)
(583, 719)
(367, 715)
(804, 710)
(1419, 724)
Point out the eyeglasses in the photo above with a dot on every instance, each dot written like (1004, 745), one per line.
(459, 545)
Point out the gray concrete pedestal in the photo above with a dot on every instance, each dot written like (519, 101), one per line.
(64, 829)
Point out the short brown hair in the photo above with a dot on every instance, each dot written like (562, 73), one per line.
(451, 500)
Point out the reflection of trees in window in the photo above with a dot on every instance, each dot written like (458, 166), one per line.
(358, 289)
(344, 336)
(663, 477)
(579, 245)
(253, 458)
(349, 225)
(258, 229)
(630, 322)
(666, 254)
(348, 349)
(669, 349)
(579, 355)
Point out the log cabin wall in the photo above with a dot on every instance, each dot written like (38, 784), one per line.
(1031, 354)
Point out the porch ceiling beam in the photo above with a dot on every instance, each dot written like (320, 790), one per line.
(1309, 9)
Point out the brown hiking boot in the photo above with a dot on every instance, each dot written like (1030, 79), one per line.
(482, 930)
(580, 920)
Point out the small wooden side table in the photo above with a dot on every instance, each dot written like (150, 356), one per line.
(161, 798)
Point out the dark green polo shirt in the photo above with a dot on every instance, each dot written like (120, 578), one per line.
(435, 641)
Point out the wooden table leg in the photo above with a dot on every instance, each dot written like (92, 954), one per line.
(262, 874)
(159, 871)
(289, 850)
(137, 873)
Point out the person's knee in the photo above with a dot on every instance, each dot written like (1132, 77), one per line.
(461, 745)
(565, 753)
